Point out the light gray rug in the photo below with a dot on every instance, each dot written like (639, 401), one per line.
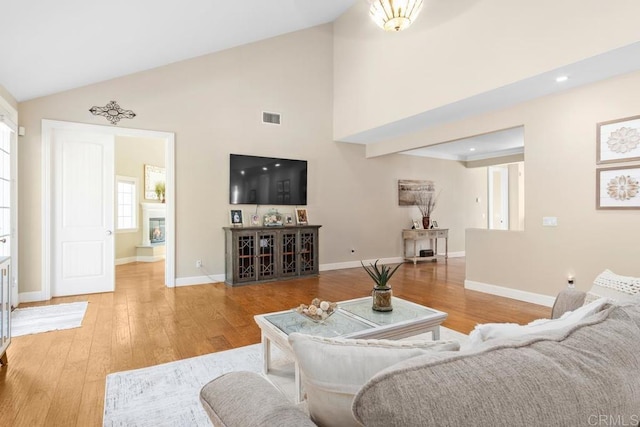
(168, 394)
(34, 320)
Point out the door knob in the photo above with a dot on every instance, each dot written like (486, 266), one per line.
(3, 240)
(109, 232)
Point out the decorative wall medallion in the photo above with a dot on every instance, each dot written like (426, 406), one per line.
(113, 112)
(618, 188)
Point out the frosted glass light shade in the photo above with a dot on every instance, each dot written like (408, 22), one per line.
(394, 15)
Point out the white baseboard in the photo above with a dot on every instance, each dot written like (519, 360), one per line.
(30, 297)
(131, 259)
(461, 254)
(510, 293)
(199, 280)
(354, 264)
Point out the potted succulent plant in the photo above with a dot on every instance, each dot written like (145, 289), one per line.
(381, 291)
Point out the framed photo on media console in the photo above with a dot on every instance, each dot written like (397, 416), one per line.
(235, 215)
(301, 216)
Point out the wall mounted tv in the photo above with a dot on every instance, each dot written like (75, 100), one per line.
(267, 181)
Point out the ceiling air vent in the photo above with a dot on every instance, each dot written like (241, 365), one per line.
(271, 118)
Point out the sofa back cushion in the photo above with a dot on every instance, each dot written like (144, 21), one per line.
(334, 369)
(570, 377)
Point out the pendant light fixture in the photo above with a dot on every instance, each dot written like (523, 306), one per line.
(394, 15)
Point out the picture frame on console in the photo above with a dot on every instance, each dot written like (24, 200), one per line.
(301, 216)
(618, 187)
(255, 220)
(235, 216)
(288, 219)
(618, 140)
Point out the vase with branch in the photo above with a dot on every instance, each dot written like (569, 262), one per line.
(426, 202)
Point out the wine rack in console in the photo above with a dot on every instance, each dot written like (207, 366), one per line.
(259, 254)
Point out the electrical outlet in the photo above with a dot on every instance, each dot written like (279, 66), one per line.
(198, 263)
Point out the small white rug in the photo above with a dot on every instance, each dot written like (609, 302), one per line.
(34, 320)
(168, 394)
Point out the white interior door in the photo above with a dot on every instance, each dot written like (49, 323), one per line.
(82, 213)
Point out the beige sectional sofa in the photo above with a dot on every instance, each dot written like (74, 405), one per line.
(583, 374)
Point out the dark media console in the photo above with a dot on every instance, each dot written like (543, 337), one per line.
(261, 254)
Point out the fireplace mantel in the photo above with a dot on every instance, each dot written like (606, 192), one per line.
(150, 210)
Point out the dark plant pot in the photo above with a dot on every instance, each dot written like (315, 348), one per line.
(382, 299)
(425, 222)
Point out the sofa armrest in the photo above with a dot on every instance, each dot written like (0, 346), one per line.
(567, 300)
(246, 399)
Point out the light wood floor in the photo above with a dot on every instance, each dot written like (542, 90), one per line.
(58, 378)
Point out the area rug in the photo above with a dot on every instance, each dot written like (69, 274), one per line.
(34, 320)
(168, 394)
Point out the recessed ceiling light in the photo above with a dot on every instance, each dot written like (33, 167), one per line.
(264, 168)
(277, 164)
(472, 149)
(561, 79)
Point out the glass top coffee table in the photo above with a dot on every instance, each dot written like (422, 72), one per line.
(353, 319)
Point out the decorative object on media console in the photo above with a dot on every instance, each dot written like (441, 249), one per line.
(426, 201)
(618, 188)
(394, 15)
(273, 218)
(235, 215)
(301, 216)
(618, 140)
(381, 291)
(318, 310)
(113, 112)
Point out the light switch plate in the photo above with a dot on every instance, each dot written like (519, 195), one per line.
(549, 221)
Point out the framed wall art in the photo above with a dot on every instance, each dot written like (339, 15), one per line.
(153, 175)
(618, 188)
(410, 189)
(618, 140)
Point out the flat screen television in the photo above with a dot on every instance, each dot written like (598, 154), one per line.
(267, 181)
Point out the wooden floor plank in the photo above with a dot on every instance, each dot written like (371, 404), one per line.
(58, 378)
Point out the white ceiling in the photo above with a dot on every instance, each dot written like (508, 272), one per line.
(496, 144)
(51, 46)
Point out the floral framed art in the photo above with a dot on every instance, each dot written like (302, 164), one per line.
(618, 188)
(618, 140)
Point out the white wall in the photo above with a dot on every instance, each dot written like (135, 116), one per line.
(457, 49)
(214, 104)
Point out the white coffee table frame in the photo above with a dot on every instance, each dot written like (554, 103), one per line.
(272, 334)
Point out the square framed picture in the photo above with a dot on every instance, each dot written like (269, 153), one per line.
(288, 219)
(301, 216)
(618, 188)
(235, 216)
(618, 140)
(255, 220)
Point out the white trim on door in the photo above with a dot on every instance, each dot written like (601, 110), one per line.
(47, 128)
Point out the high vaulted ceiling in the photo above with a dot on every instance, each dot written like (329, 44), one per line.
(52, 46)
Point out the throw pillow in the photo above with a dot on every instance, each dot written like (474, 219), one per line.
(334, 369)
(491, 331)
(618, 288)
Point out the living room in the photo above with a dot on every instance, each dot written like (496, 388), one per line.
(337, 81)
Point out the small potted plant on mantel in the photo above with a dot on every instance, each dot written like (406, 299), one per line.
(160, 190)
(381, 291)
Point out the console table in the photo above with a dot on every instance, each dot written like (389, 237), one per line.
(260, 254)
(432, 235)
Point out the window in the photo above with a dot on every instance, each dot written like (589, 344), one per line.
(6, 134)
(127, 203)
